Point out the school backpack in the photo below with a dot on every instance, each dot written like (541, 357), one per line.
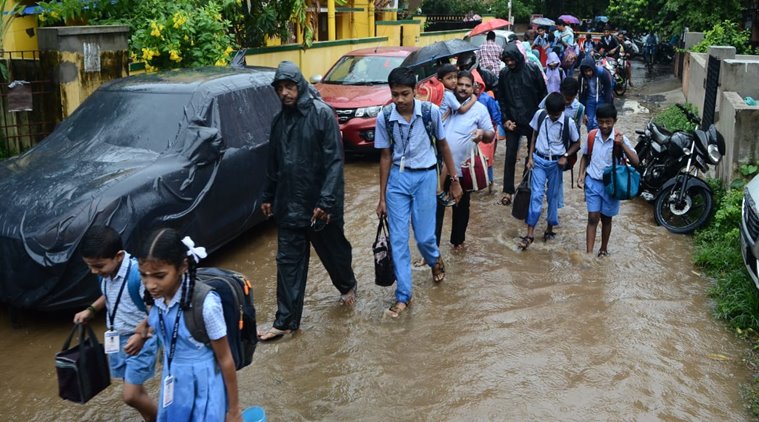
(133, 285)
(426, 119)
(572, 158)
(236, 296)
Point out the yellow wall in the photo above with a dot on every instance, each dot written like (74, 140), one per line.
(392, 32)
(411, 32)
(17, 38)
(314, 61)
(427, 38)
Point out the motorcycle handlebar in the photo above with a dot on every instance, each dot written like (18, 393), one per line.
(692, 117)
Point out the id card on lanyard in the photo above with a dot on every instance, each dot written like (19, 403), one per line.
(168, 382)
(112, 341)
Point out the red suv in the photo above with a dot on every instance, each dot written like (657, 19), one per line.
(356, 86)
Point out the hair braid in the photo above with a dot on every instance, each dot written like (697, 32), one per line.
(192, 267)
(148, 298)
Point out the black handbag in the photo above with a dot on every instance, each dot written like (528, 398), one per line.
(521, 204)
(383, 259)
(83, 369)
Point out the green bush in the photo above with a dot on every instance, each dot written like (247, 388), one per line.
(673, 119)
(718, 253)
(726, 33)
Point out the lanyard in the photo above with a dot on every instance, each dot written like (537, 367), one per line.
(174, 334)
(112, 314)
(405, 142)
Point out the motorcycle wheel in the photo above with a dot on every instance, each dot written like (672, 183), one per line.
(684, 216)
(620, 88)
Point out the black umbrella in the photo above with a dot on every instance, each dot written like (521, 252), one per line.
(438, 50)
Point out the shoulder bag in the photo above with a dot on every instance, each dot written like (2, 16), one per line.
(83, 369)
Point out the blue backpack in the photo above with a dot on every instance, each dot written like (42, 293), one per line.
(133, 285)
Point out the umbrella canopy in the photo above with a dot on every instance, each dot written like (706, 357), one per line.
(569, 19)
(543, 22)
(489, 26)
(438, 50)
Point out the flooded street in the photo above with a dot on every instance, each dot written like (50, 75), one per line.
(546, 334)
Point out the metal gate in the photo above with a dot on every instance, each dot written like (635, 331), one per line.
(26, 96)
(711, 85)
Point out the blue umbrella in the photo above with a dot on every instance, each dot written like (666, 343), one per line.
(543, 22)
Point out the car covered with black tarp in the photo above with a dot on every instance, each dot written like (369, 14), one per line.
(185, 149)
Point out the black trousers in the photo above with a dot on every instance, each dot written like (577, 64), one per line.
(512, 148)
(293, 252)
(460, 218)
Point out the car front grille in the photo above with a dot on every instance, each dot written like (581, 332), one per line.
(749, 216)
(345, 114)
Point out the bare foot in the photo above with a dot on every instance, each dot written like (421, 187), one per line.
(459, 248)
(420, 262)
(272, 334)
(349, 298)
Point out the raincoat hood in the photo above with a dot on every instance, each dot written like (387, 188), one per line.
(552, 58)
(512, 51)
(289, 71)
(587, 62)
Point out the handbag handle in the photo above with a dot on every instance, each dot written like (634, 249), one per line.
(83, 329)
(381, 227)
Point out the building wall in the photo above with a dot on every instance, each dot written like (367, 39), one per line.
(21, 35)
(313, 61)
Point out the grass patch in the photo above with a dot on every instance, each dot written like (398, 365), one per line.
(718, 254)
(673, 119)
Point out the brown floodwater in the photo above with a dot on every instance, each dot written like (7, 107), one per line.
(546, 334)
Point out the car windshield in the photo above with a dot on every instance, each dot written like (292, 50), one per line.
(362, 70)
(141, 120)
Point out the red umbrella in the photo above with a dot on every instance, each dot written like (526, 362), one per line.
(489, 26)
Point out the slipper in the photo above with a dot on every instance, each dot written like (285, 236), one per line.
(548, 235)
(506, 200)
(397, 309)
(273, 334)
(438, 271)
(525, 242)
(603, 253)
(349, 298)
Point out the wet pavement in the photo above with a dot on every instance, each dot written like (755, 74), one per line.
(546, 334)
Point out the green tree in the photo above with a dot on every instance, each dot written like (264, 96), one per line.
(669, 17)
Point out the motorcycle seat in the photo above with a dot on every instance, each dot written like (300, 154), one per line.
(659, 134)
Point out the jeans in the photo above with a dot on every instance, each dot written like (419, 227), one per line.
(590, 111)
(512, 148)
(411, 194)
(544, 171)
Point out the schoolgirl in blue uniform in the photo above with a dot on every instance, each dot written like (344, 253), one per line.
(198, 381)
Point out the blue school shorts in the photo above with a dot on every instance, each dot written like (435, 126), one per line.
(134, 369)
(597, 200)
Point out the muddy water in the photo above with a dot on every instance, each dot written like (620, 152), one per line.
(546, 334)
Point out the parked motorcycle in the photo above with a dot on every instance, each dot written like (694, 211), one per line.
(669, 166)
(620, 74)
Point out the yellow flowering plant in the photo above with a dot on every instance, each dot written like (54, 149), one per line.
(182, 35)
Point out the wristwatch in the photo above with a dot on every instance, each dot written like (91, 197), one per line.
(566, 155)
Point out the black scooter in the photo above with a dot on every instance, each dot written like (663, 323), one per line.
(669, 167)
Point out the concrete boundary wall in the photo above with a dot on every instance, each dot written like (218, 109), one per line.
(739, 124)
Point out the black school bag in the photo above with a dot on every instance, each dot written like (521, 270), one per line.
(239, 313)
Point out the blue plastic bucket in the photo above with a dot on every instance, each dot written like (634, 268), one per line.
(254, 414)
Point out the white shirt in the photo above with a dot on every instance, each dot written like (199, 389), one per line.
(458, 132)
(213, 314)
(127, 314)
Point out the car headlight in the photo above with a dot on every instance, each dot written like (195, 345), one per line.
(372, 111)
(714, 155)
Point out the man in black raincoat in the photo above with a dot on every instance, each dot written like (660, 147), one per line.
(521, 87)
(304, 191)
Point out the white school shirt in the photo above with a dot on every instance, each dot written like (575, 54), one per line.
(458, 132)
(548, 141)
(600, 157)
(127, 314)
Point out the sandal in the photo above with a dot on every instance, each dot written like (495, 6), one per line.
(445, 199)
(438, 271)
(506, 200)
(548, 235)
(603, 253)
(397, 309)
(525, 242)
